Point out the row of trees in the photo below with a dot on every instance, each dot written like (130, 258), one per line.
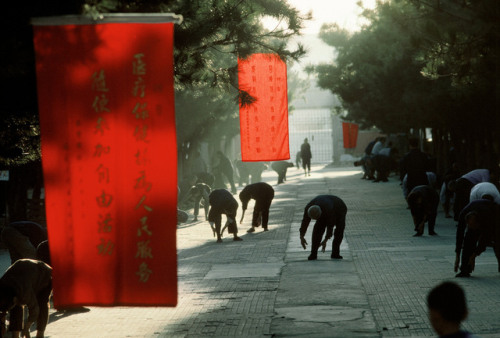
(213, 34)
(422, 64)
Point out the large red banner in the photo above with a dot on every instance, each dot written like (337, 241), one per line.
(264, 122)
(109, 154)
(350, 133)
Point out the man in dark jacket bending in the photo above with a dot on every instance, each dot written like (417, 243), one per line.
(478, 226)
(263, 195)
(423, 201)
(26, 282)
(223, 202)
(328, 211)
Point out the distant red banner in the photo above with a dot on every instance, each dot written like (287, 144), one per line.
(350, 133)
(264, 123)
(106, 104)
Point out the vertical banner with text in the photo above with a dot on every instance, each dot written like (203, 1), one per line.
(264, 122)
(350, 133)
(106, 105)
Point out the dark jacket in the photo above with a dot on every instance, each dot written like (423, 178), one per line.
(332, 208)
(305, 151)
(486, 211)
(415, 163)
(28, 278)
(259, 191)
(222, 202)
(34, 231)
(423, 201)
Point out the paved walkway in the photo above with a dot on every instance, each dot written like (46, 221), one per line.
(265, 286)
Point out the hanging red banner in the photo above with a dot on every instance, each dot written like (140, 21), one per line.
(264, 122)
(350, 133)
(106, 105)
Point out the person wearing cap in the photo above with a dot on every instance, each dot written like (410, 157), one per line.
(465, 183)
(485, 189)
(328, 211)
(263, 195)
(222, 202)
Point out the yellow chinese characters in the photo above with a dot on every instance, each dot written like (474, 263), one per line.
(104, 201)
(142, 185)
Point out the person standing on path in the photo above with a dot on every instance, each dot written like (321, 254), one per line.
(306, 155)
(298, 159)
(414, 164)
(328, 211)
(263, 195)
(224, 167)
(223, 202)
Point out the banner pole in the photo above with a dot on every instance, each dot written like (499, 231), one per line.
(108, 18)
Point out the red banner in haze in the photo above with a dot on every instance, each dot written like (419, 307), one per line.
(106, 104)
(350, 133)
(264, 122)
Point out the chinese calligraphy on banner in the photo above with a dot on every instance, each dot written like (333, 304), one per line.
(264, 122)
(106, 104)
(350, 134)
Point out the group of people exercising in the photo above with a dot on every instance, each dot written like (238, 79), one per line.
(328, 211)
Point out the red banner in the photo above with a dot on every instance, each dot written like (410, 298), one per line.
(264, 123)
(350, 133)
(106, 104)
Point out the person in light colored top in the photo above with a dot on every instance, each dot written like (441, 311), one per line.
(485, 188)
(464, 185)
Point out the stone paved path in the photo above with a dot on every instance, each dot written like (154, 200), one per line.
(264, 286)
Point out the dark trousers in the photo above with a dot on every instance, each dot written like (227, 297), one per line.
(306, 163)
(281, 175)
(338, 235)
(415, 179)
(17, 313)
(431, 222)
(229, 176)
(470, 242)
(261, 208)
(462, 196)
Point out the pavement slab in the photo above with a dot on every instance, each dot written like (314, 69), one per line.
(264, 286)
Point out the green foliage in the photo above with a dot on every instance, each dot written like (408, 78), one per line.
(421, 64)
(207, 43)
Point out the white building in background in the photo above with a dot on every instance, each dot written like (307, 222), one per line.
(313, 119)
(313, 116)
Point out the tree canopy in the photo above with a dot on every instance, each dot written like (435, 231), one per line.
(213, 34)
(207, 43)
(422, 64)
